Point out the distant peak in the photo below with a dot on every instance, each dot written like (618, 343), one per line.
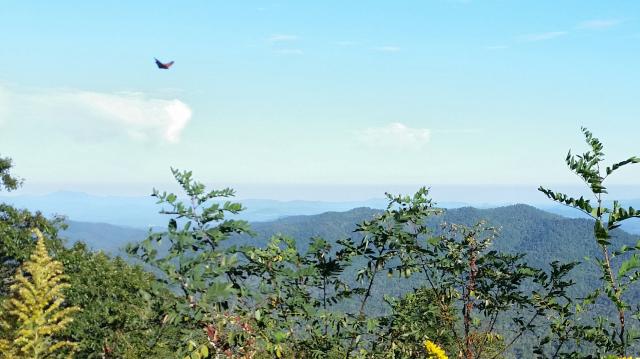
(69, 194)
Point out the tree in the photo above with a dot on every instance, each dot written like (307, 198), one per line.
(16, 238)
(280, 301)
(8, 181)
(588, 167)
(34, 314)
(120, 310)
(417, 316)
(294, 297)
(487, 287)
(461, 273)
(192, 261)
(387, 244)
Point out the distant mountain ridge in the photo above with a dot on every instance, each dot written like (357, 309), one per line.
(523, 229)
(542, 236)
(142, 212)
(102, 236)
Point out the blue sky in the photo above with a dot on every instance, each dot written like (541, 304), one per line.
(315, 93)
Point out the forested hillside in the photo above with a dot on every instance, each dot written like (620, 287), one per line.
(543, 236)
(102, 236)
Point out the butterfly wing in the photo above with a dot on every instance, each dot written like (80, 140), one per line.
(159, 64)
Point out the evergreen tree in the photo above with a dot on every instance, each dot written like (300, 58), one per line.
(33, 314)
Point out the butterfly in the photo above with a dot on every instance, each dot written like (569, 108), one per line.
(164, 66)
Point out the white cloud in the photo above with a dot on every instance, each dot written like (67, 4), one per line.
(95, 114)
(542, 36)
(458, 131)
(395, 135)
(599, 24)
(282, 38)
(138, 114)
(387, 48)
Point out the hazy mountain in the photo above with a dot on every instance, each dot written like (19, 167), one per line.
(546, 236)
(631, 225)
(524, 229)
(76, 206)
(542, 236)
(142, 212)
(102, 236)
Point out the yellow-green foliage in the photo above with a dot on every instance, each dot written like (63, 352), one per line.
(33, 314)
(434, 351)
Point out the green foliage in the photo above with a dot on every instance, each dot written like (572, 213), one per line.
(387, 246)
(396, 285)
(543, 236)
(414, 317)
(280, 301)
(488, 287)
(16, 238)
(296, 296)
(7, 180)
(193, 264)
(34, 316)
(605, 334)
(120, 317)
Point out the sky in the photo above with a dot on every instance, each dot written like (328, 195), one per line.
(322, 94)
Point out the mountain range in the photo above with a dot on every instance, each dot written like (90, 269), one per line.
(142, 212)
(543, 236)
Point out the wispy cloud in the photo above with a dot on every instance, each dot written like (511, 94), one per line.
(395, 135)
(92, 114)
(457, 131)
(543, 36)
(282, 38)
(387, 48)
(599, 24)
(140, 115)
